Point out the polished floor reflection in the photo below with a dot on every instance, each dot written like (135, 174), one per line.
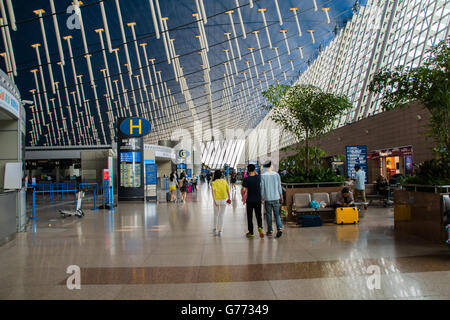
(168, 251)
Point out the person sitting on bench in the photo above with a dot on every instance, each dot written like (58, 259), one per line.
(345, 199)
(383, 186)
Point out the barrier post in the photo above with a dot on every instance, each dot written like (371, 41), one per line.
(34, 205)
(95, 198)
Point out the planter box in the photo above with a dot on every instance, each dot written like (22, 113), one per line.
(290, 189)
(420, 214)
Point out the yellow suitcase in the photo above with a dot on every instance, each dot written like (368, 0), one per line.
(402, 212)
(347, 215)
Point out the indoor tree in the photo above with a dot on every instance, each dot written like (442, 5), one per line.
(429, 85)
(305, 111)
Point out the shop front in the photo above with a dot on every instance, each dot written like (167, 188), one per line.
(390, 162)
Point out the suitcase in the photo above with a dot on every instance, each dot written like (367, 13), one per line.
(189, 190)
(168, 196)
(347, 215)
(161, 196)
(311, 221)
(402, 212)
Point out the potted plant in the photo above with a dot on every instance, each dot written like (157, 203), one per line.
(305, 111)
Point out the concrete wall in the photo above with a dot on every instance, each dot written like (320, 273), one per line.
(8, 200)
(92, 165)
(9, 145)
(390, 129)
(164, 168)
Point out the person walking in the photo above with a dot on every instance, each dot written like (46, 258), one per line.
(183, 185)
(220, 191)
(233, 180)
(208, 178)
(252, 185)
(172, 186)
(360, 185)
(272, 196)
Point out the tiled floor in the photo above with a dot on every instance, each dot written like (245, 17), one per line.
(167, 251)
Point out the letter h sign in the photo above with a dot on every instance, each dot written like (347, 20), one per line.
(132, 126)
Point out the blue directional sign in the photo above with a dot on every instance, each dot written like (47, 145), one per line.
(135, 127)
(130, 157)
(356, 155)
(151, 174)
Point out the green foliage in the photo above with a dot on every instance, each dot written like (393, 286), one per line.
(428, 84)
(315, 154)
(305, 111)
(302, 175)
(435, 172)
(340, 157)
(297, 173)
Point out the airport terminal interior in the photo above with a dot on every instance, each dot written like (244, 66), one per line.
(224, 150)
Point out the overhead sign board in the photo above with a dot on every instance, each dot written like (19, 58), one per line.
(135, 127)
(161, 152)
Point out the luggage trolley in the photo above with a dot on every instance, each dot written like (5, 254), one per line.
(78, 210)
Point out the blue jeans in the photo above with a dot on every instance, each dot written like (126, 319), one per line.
(273, 206)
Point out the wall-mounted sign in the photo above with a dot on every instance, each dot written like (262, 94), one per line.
(135, 127)
(183, 154)
(392, 152)
(151, 173)
(181, 166)
(161, 152)
(8, 102)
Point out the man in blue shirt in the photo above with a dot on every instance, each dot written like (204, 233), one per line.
(272, 196)
(360, 185)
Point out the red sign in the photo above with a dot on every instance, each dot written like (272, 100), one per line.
(393, 152)
(106, 175)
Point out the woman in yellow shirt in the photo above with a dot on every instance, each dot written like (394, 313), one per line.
(220, 191)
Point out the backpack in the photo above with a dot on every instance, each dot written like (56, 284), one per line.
(314, 204)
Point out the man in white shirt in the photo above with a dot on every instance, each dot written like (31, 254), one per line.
(272, 196)
(360, 185)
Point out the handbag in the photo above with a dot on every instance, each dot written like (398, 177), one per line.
(314, 204)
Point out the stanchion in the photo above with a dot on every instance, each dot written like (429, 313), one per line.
(95, 197)
(34, 205)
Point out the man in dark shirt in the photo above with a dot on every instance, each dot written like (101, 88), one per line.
(345, 199)
(252, 184)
